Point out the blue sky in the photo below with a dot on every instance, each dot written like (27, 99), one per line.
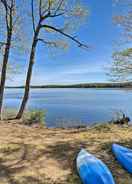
(77, 65)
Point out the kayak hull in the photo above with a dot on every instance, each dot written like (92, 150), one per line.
(93, 170)
(124, 156)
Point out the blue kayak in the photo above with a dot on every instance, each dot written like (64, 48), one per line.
(93, 170)
(124, 156)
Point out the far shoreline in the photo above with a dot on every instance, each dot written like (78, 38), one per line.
(81, 85)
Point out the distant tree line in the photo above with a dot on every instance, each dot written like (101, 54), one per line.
(83, 85)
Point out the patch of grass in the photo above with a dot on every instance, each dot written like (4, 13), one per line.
(106, 127)
(29, 117)
(34, 117)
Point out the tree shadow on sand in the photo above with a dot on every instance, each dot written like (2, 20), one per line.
(7, 171)
(62, 152)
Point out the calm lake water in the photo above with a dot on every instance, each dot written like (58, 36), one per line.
(74, 106)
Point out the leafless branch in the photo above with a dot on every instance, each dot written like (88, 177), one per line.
(59, 6)
(47, 12)
(73, 38)
(51, 43)
(49, 6)
(56, 15)
(48, 15)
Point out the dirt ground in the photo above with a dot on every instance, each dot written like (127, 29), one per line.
(47, 156)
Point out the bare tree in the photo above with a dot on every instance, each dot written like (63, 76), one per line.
(54, 17)
(9, 7)
(10, 39)
(121, 69)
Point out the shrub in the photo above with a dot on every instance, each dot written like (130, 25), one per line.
(35, 117)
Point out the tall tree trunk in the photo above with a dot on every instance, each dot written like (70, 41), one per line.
(4, 69)
(29, 75)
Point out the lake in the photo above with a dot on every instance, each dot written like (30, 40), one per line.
(74, 106)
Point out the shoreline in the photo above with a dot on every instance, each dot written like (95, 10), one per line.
(29, 153)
